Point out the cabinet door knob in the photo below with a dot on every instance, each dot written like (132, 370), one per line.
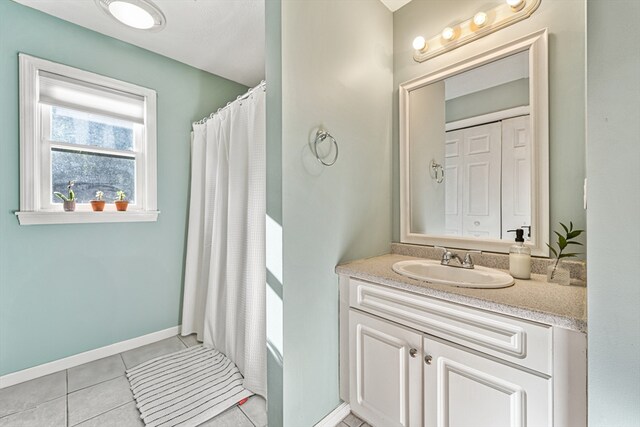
(413, 352)
(428, 359)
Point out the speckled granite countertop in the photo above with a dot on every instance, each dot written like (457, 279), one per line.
(535, 299)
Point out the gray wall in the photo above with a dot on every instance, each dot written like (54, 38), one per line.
(336, 73)
(565, 21)
(613, 153)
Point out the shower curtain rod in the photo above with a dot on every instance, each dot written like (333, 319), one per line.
(262, 84)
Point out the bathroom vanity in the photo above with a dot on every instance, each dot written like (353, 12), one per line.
(420, 354)
(473, 166)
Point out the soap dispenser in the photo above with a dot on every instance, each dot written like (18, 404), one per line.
(520, 257)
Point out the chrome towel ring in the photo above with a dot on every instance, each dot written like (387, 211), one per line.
(436, 171)
(321, 135)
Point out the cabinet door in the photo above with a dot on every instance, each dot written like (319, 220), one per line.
(385, 362)
(464, 389)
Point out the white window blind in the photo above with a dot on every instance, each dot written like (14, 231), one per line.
(57, 90)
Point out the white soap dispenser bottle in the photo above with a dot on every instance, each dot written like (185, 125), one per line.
(520, 257)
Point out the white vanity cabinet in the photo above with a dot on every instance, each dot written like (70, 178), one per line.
(411, 360)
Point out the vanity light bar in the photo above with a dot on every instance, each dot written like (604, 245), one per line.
(420, 44)
(516, 5)
(480, 25)
(480, 19)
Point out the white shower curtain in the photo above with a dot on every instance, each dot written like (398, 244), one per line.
(224, 291)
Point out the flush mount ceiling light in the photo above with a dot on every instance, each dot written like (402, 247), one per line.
(138, 14)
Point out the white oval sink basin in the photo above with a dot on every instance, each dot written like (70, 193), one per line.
(432, 271)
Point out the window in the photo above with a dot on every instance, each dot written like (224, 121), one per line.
(83, 127)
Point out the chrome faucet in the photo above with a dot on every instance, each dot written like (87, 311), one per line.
(447, 256)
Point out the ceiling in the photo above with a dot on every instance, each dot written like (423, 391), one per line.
(223, 37)
(394, 5)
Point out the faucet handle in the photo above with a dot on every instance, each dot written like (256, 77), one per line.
(446, 256)
(468, 261)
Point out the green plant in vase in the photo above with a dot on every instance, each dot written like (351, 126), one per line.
(69, 200)
(555, 273)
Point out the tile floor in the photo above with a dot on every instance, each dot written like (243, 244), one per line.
(97, 394)
(352, 421)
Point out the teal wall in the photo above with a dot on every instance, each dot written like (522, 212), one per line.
(65, 289)
(273, 68)
(565, 20)
(337, 73)
(613, 155)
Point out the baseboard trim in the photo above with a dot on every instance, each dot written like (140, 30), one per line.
(86, 357)
(334, 417)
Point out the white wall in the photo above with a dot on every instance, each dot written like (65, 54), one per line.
(336, 73)
(613, 171)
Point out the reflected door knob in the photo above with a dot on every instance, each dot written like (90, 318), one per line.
(413, 352)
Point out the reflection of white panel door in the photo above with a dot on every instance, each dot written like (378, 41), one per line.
(481, 181)
(453, 168)
(464, 389)
(472, 181)
(516, 173)
(385, 363)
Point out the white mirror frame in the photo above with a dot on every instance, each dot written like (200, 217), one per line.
(536, 44)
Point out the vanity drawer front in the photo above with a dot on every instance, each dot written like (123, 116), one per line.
(524, 343)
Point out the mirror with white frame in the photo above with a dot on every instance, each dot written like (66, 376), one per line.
(474, 151)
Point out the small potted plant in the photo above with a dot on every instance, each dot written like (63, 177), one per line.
(98, 203)
(121, 202)
(68, 201)
(555, 272)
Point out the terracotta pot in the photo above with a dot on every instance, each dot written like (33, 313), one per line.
(69, 205)
(121, 205)
(97, 205)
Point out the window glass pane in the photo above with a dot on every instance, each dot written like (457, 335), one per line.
(92, 172)
(78, 127)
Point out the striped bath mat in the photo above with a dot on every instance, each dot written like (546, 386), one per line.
(186, 388)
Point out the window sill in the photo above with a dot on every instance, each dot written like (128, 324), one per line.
(84, 217)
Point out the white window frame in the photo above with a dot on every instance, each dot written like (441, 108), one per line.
(35, 151)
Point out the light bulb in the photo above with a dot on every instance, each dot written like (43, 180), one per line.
(448, 34)
(419, 43)
(480, 19)
(516, 5)
(131, 15)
